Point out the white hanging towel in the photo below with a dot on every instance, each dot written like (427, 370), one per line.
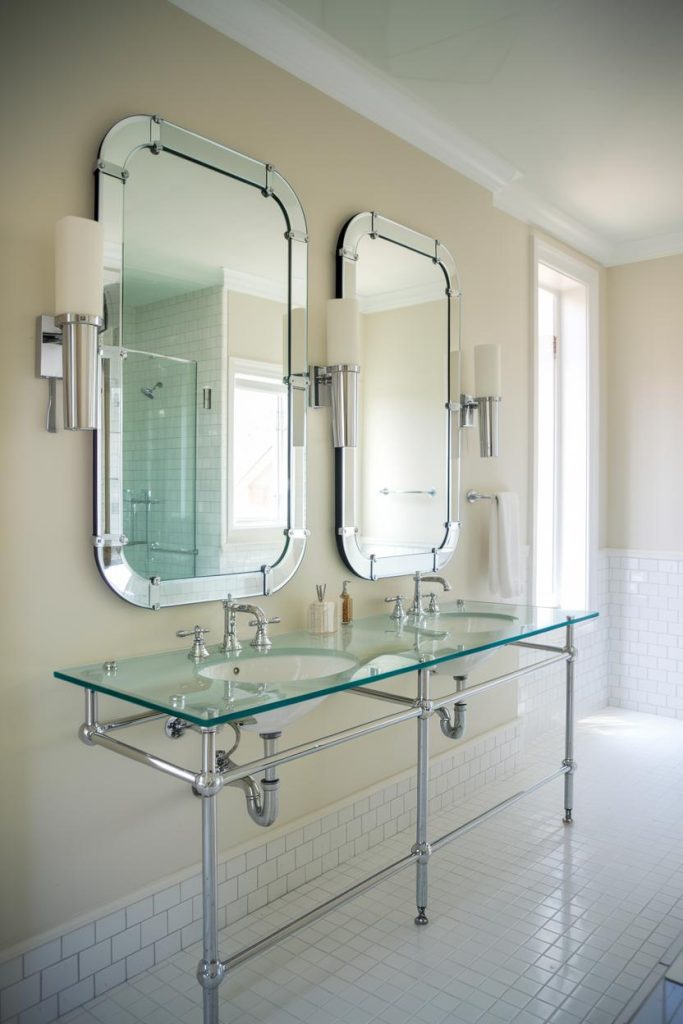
(505, 555)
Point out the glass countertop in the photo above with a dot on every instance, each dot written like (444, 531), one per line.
(302, 667)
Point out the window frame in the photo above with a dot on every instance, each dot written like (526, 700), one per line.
(544, 252)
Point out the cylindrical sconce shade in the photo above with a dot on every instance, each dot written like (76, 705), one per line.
(344, 401)
(79, 266)
(343, 332)
(489, 426)
(81, 364)
(487, 376)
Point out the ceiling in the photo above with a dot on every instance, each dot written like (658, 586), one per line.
(569, 111)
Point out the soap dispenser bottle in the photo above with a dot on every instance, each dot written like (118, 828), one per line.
(346, 602)
(322, 614)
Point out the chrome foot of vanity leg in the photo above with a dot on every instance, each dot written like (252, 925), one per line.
(568, 820)
(421, 916)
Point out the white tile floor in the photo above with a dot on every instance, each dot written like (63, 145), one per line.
(531, 921)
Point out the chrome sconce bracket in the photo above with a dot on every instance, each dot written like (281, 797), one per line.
(488, 408)
(337, 387)
(49, 363)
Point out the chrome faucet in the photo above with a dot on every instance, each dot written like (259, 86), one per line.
(416, 610)
(261, 641)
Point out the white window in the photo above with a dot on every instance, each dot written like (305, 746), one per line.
(565, 434)
(258, 445)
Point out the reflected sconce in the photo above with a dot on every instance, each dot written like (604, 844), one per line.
(67, 344)
(487, 389)
(336, 383)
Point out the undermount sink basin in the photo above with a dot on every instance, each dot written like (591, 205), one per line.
(385, 663)
(475, 628)
(270, 677)
(477, 622)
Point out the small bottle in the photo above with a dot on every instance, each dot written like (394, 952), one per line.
(322, 614)
(346, 604)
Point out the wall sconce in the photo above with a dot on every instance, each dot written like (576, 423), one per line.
(336, 384)
(487, 387)
(79, 298)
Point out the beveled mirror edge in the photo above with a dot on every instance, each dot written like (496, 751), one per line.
(121, 141)
(371, 567)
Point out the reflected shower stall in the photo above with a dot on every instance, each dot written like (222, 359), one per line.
(160, 464)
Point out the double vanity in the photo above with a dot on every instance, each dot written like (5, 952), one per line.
(265, 690)
(201, 386)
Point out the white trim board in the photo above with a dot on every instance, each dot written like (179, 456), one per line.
(294, 44)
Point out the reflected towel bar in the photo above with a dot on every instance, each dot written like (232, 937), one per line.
(431, 491)
(473, 496)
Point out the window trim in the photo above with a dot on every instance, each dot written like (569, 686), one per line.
(557, 259)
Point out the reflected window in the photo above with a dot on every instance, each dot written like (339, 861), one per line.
(258, 446)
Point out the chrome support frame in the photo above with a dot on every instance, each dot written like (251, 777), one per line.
(569, 764)
(210, 969)
(421, 849)
(393, 698)
(208, 782)
(539, 647)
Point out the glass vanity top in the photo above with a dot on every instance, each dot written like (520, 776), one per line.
(301, 667)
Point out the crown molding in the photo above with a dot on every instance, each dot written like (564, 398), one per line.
(519, 202)
(416, 295)
(291, 42)
(255, 285)
(263, 287)
(648, 249)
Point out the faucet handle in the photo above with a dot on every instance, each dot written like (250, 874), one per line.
(262, 641)
(198, 649)
(399, 612)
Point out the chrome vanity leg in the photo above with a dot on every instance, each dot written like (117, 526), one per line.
(422, 847)
(210, 970)
(569, 761)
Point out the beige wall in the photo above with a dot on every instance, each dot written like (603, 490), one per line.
(81, 828)
(645, 303)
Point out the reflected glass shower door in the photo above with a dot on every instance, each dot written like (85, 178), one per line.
(159, 464)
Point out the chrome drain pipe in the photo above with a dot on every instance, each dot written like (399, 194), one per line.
(263, 799)
(454, 730)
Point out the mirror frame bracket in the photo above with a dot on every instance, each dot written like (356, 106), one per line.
(124, 139)
(374, 567)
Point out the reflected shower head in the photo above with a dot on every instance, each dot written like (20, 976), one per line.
(149, 392)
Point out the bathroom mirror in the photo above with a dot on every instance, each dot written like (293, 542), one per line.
(398, 490)
(200, 460)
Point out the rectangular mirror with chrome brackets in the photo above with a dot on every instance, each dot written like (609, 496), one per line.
(200, 459)
(397, 489)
